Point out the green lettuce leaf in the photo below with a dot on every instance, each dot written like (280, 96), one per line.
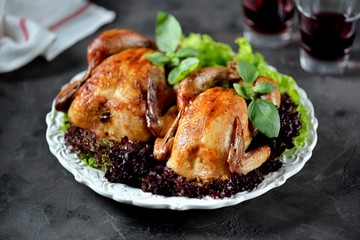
(89, 160)
(246, 54)
(211, 53)
(65, 123)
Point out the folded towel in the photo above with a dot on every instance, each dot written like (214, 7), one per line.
(45, 27)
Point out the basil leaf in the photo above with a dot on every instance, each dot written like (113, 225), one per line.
(168, 32)
(264, 115)
(264, 88)
(174, 62)
(247, 72)
(243, 91)
(157, 58)
(185, 67)
(187, 52)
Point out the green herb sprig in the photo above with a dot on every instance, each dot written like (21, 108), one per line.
(168, 34)
(262, 113)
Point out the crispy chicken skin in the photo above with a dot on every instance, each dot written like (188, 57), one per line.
(113, 101)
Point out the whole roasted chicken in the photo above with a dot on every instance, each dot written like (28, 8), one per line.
(211, 134)
(122, 93)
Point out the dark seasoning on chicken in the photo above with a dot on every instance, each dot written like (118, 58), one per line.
(172, 126)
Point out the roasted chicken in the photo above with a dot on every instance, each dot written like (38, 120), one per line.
(210, 136)
(123, 93)
(106, 44)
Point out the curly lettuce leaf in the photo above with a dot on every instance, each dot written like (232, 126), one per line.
(246, 54)
(90, 160)
(211, 53)
(285, 83)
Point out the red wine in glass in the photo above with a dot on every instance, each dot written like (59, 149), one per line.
(327, 36)
(268, 16)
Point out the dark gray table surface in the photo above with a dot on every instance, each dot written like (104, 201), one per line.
(39, 199)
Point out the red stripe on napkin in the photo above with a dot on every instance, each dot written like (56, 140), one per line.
(70, 17)
(22, 24)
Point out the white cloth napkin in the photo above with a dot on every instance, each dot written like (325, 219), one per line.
(29, 28)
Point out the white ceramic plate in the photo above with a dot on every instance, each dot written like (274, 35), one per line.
(95, 179)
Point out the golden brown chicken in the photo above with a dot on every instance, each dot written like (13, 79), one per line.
(106, 44)
(210, 136)
(124, 94)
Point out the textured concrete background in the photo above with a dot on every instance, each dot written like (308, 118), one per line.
(39, 199)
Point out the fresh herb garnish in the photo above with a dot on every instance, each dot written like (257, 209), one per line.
(262, 113)
(185, 67)
(285, 84)
(168, 34)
